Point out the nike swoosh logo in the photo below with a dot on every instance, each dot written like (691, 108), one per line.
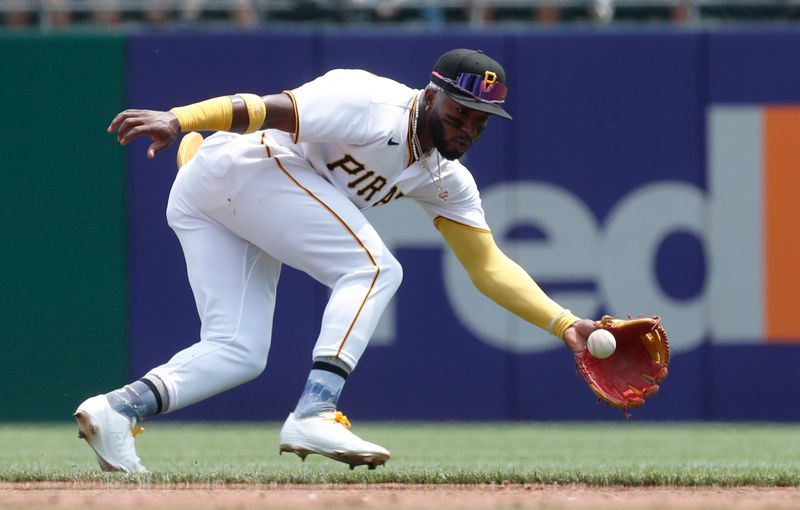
(392, 142)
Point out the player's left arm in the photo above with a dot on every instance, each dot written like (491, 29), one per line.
(505, 282)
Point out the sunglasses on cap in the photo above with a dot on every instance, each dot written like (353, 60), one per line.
(484, 88)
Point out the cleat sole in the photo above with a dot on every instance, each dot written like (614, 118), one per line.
(300, 452)
(352, 459)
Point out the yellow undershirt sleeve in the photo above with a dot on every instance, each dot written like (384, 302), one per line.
(216, 114)
(503, 280)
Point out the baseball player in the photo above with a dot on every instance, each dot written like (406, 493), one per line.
(283, 180)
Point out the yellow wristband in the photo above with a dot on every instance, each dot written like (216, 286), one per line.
(256, 111)
(561, 322)
(210, 115)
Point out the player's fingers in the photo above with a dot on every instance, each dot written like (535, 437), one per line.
(132, 129)
(122, 117)
(157, 146)
(574, 342)
(584, 327)
(126, 124)
(116, 121)
(153, 150)
(575, 336)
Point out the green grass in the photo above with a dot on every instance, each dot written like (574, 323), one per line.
(631, 454)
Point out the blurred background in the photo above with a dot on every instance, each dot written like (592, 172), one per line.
(59, 14)
(651, 168)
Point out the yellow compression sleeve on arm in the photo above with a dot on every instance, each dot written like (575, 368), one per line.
(217, 114)
(210, 115)
(503, 280)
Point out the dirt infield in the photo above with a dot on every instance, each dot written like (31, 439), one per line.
(439, 497)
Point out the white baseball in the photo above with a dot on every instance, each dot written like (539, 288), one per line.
(601, 343)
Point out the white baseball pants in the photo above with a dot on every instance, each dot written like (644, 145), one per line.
(240, 208)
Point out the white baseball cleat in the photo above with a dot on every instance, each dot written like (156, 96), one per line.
(110, 435)
(327, 434)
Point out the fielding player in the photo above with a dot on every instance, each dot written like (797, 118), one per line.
(283, 181)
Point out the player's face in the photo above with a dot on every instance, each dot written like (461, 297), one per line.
(453, 127)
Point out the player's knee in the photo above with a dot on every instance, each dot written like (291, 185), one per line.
(173, 216)
(253, 367)
(253, 360)
(177, 218)
(391, 273)
(248, 355)
(250, 368)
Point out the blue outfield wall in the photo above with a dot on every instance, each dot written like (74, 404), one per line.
(599, 188)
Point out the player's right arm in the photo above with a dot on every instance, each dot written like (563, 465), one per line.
(239, 113)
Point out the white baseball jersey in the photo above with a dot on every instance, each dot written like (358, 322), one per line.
(356, 129)
(247, 204)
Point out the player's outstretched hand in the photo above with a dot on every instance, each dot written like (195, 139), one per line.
(161, 127)
(576, 336)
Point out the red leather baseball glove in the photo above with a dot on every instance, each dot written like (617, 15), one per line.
(639, 363)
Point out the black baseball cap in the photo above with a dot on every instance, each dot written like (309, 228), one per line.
(473, 79)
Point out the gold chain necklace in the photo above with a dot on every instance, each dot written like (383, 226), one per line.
(436, 178)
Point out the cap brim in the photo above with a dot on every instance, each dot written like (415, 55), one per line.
(494, 109)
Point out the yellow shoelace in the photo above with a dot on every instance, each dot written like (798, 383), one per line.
(341, 419)
(138, 430)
